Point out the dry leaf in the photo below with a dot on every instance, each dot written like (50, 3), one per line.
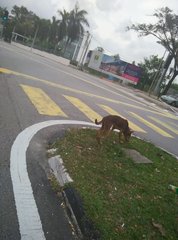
(159, 227)
(79, 147)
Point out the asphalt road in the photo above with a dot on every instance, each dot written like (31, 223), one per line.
(33, 90)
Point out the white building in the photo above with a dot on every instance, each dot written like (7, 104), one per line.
(77, 50)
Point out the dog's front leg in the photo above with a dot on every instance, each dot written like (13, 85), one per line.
(120, 137)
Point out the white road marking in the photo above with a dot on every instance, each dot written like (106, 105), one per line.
(29, 220)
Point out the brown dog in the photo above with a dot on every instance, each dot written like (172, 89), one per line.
(111, 122)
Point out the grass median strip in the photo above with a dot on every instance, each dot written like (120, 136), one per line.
(125, 200)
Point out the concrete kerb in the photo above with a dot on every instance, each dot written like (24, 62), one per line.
(74, 206)
(83, 226)
(73, 202)
(50, 56)
(157, 102)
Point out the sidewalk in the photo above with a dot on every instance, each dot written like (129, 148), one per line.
(50, 56)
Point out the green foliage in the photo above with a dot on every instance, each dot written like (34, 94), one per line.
(125, 200)
(150, 67)
(44, 29)
(2, 11)
(166, 32)
(50, 32)
(62, 33)
(174, 86)
(25, 21)
(76, 21)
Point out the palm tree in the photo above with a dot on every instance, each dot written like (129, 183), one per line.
(62, 32)
(75, 26)
(44, 28)
(54, 30)
(2, 11)
(25, 21)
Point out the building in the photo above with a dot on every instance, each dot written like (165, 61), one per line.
(114, 67)
(76, 50)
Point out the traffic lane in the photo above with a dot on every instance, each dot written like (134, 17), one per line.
(123, 109)
(71, 71)
(159, 129)
(125, 92)
(58, 90)
(120, 106)
(157, 134)
(99, 94)
(58, 96)
(53, 88)
(12, 122)
(26, 112)
(166, 143)
(9, 128)
(72, 87)
(74, 72)
(33, 66)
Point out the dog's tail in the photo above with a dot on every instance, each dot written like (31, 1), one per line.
(96, 122)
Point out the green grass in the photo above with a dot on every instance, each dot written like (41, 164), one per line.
(123, 199)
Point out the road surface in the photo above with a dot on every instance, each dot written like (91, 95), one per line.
(34, 89)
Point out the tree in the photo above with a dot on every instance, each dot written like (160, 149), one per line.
(44, 29)
(62, 33)
(116, 57)
(100, 49)
(175, 86)
(19, 13)
(53, 38)
(75, 25)
(150, 68)
(49, 33)
(166, 32)
(25, 21)
(4, 21)
(2, 10)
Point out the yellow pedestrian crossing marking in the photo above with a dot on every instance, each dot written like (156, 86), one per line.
(92, 115)
(164, 125)
(113, 112)
(155, 128)
(45, 105)
(63, 87)
(42, 102)
(174, 124)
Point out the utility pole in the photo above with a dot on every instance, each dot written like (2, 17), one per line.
(13, 31)
(163, 74)
(89, 41)
(36, 32)
(85, 47)
(76, 48)
(157, 73)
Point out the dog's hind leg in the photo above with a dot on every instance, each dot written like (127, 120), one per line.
(101, 134)
(98, 136)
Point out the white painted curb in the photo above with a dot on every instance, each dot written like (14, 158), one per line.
(27, 212)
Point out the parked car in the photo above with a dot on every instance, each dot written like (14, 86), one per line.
(170, 99)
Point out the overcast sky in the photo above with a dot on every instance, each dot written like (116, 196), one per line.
(108, 21)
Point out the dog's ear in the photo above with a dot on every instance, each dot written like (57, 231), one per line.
(131, 131)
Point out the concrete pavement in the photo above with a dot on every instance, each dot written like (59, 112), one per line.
(50, 56)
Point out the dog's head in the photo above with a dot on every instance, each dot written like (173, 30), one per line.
(128, 134)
